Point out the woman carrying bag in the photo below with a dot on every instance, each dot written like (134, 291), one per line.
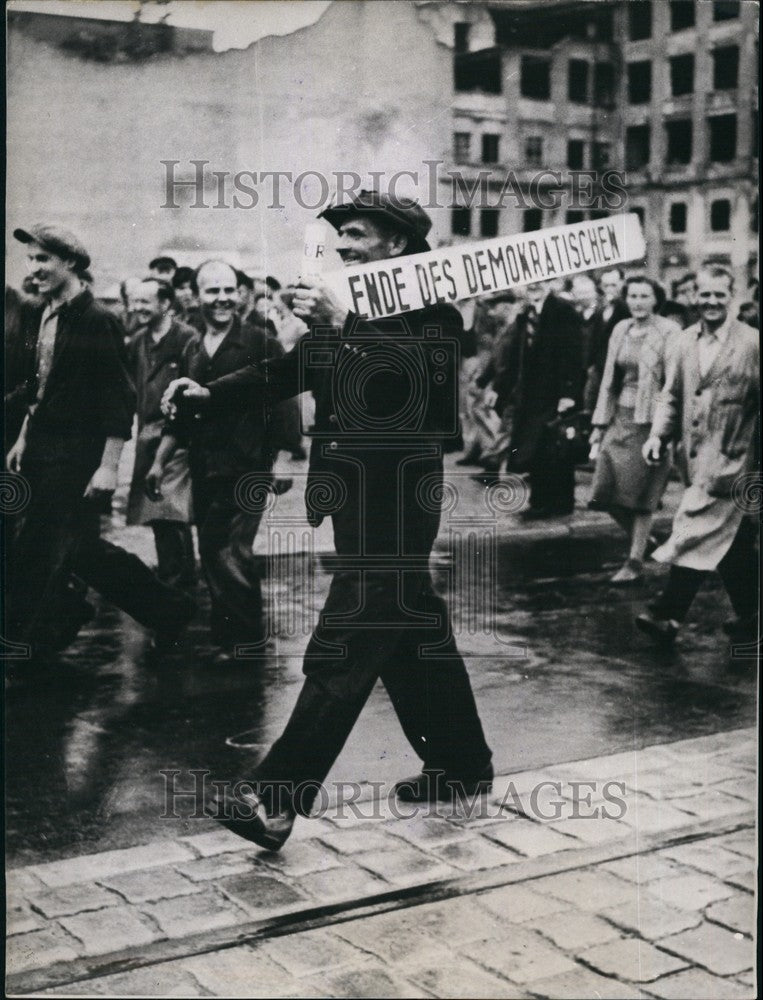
(634, 374)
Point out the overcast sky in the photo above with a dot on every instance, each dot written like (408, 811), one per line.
(236, 23)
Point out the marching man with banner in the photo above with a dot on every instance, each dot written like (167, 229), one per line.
(386, 402)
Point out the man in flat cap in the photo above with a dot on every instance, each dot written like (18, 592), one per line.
(163, 267)
(79, 410)
(386, 402)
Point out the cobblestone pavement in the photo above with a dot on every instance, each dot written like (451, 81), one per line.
(529, 896)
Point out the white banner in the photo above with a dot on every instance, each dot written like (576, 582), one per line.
(313, 251)
(402, 284)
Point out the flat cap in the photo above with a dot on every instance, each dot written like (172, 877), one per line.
(164, 263)
(57, 240)
(404, 213)
(498, 298)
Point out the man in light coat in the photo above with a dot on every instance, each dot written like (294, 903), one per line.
(155, 355)
(711, 402)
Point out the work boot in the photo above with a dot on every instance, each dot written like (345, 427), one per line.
(436, 786)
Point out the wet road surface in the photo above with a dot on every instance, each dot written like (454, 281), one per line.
(567, 677)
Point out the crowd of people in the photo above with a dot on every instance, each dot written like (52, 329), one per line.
(552, 376)
(204, 366)
(571, 373)
(204, 322)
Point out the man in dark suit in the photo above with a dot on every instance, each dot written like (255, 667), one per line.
(545, 369)
(386, 400)
(605, 319)
(224, 444)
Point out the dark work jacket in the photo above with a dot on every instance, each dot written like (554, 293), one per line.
(154, 366)
(601, 331)
(88, 397)
(498, 368)
(386, 399)
(542, 373)
(228, 441)
(22, 323)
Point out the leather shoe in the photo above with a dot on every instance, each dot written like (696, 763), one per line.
(246, 816)
(281, 486)
(436, 786)
(662, 630)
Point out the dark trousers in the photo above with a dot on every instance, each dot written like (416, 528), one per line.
(226, 536)
(174, 553)
(124, 580)
(59, 536)
(552, 475)
(380, 620)
(738, 570)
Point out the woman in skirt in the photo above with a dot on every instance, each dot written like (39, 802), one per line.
(634, 373)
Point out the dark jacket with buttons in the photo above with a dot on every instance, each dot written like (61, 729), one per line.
(230, 440)
(386, 401)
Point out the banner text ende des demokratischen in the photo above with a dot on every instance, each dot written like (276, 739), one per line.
(399, 285)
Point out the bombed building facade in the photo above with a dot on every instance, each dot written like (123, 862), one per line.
(662, 95)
